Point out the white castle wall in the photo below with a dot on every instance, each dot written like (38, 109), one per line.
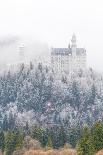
(69, 62)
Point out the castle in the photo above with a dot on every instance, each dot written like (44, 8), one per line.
(68, 59)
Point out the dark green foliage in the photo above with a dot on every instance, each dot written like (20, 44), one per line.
(11, 121)
(10, 143)
(91, 141)
(58, 136)
(8, 123)
(88, 140)
(78, 97)
(62, 136)
(13, 141)
(85, 146)
(2, 141)
(73, 136)
(5, 123)
(97, 136)
(40, 135)
(49, 142)
(55, 135)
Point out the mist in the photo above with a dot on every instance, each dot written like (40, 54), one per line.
(16, 49)
(44, 24)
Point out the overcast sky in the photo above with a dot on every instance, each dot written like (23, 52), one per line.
(54, 22)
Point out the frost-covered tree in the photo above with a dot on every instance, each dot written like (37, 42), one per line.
(75, 98)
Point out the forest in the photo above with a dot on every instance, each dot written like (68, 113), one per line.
(56, 111)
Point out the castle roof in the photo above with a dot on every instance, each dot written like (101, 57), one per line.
(61, 51)
(67, 51)
(80, 51)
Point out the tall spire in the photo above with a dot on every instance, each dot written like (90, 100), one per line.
(73, 46)
(21, 52)
(73, 40)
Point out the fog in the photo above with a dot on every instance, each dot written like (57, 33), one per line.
(40, 24)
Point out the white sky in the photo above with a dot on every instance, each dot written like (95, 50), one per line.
(54, 21)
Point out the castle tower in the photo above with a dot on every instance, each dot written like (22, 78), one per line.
(73, 46)
(21, 53)
(68, 59)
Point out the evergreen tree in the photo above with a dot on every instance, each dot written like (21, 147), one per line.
(49, 142)
(31, 66)
(75, 95)
(19, 139)
(85, 147)
(5, 123)
(13, 141)
(2, 141)
(62, 137)
(26, 129)
(39, 134)
(9, 143)
(11, 121)
(73, 136)
(97, 136)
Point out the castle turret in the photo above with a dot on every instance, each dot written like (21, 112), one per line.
(68, 59)
(73, 46)
(21, 53)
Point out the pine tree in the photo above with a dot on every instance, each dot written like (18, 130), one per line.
(85, 147)
(76, 95)
(38, 134)
(26, 129)
(13, 141)
(97, 136)
(62, 137)
(49, 142)
(5, 123)
(11, 121)
(2, 141)
(9, 143)
(19, 139)
(74, 135)
(31, 66)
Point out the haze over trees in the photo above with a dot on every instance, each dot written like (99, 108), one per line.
(52, 109)
(37, 96)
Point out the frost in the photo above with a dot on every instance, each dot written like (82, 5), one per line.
(35, 94)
